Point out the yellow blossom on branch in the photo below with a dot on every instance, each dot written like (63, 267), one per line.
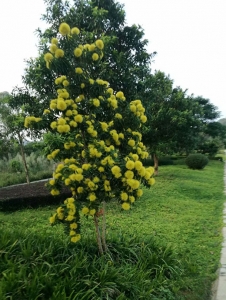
(99, 44)
(59, 53)
(75, 30)
(78, 70)
(126, 206)
(77, 52)
(64, 29)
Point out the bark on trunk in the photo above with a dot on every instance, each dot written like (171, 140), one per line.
(156, 163)
(99, 243)
(104, 228)
(23, 158)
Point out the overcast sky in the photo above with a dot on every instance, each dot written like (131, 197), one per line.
(189, 37)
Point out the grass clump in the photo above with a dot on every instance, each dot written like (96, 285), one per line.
(38, 267)
(196, 161)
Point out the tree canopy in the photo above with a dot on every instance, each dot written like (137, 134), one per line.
(125, 61)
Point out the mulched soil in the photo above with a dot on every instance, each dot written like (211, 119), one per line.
(33, 194)
(25, 190)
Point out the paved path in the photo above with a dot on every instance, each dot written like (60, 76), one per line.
(219, 288)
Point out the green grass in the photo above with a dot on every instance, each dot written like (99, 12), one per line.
(167, 247)
(222, 155)
(7, 178)
(39, 168)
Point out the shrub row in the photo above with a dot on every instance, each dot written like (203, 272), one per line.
(163, 161)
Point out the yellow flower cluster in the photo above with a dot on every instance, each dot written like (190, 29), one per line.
(68, 213)
(54, 50)
(75, 30)
(78, 70)
(116, 171)
(78, 52)
(28, 121)
(120, 95)
(46, 111)
(137, 108)
(99, 44)
(65, 30)
(102, 82)
(48, 57)
(59, 53)
(113, 101)
(53, 154)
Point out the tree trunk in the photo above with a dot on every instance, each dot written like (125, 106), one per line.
(101, 232)
(156, 163)
(23, 158)
(104, 228)
(99, 243)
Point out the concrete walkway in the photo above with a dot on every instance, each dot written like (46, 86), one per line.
(219, 287)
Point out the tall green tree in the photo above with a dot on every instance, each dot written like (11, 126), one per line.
(175, 119)
(3, 140)
(209, 111)
(6, 143)
(212, 139)
(216, 129)
(6, 146)
(169, 112)
(14, 108)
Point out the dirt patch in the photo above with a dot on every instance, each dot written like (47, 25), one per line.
(33, 194)
(24, 190)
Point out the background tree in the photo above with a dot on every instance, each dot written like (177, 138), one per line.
(175, 119)
(212, 134)
(171, 122)
(209, 111)
(212, 139)
(14, 108)
(6, 145)
(222, 121)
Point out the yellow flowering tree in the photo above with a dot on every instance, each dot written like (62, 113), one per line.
(94, 134)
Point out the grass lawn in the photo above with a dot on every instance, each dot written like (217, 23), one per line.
(7, 179)
(166, 247)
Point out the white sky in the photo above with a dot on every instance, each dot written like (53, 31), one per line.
(188, 35)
